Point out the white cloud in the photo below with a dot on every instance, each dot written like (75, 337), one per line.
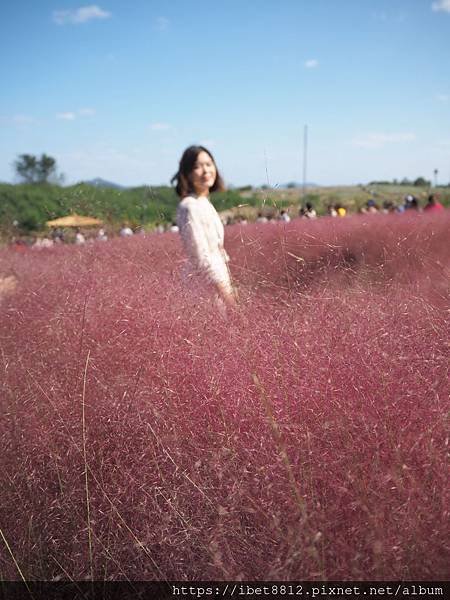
(23, 120)
(162, 23)
(378, 140)
(312, 63)
(86, 112)
(441, 6)
(159, 126)
(72, 115)
(66, 116)
(18, 120)
(80, 15)
(442, 97)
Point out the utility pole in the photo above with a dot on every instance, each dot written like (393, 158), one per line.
(435, 177)
(305, 157)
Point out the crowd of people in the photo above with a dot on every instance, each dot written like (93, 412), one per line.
(80, 236)
(410, 202)
(372, 206)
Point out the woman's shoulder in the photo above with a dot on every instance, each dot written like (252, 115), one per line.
(188, 210)
(186, 203)
(193, 204)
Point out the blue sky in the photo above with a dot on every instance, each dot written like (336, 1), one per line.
(119, 88)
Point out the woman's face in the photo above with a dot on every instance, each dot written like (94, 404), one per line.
(203, 175)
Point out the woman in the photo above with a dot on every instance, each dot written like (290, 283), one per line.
(199, 224)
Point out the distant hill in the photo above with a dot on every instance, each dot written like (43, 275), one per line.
(102, 183)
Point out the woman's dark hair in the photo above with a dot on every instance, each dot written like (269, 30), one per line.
(183, 184)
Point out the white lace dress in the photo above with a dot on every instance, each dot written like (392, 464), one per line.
(202, 234)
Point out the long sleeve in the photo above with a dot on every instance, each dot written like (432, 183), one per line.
(202, 235)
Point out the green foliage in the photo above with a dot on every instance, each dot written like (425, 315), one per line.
(31, 169)
(46, 167)
(30, 221)
(226, 200)
(26, 167)
(421, 182)
(33, 205)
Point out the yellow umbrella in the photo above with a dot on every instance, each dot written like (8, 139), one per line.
(74, 221)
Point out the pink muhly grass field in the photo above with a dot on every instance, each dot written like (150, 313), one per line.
(146, 437)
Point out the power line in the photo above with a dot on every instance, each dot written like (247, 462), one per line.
(305, 158)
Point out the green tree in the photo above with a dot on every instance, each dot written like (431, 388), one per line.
(37, 170)
(46, 168)
(421, 182)
(26, 167)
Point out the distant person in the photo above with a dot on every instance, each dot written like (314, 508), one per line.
(125, 231)
(47, 242)
(174, 228)
(44, 242)
(101, 235)
(261, 218)
(433, 205)
(411, 203)
(79, 238)
(331, 210)
(310, 211)
(284, 216)
(18, 245)
(58, 235)
(388, 207)
(201, 229)
(341, 211)
(371, 206)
